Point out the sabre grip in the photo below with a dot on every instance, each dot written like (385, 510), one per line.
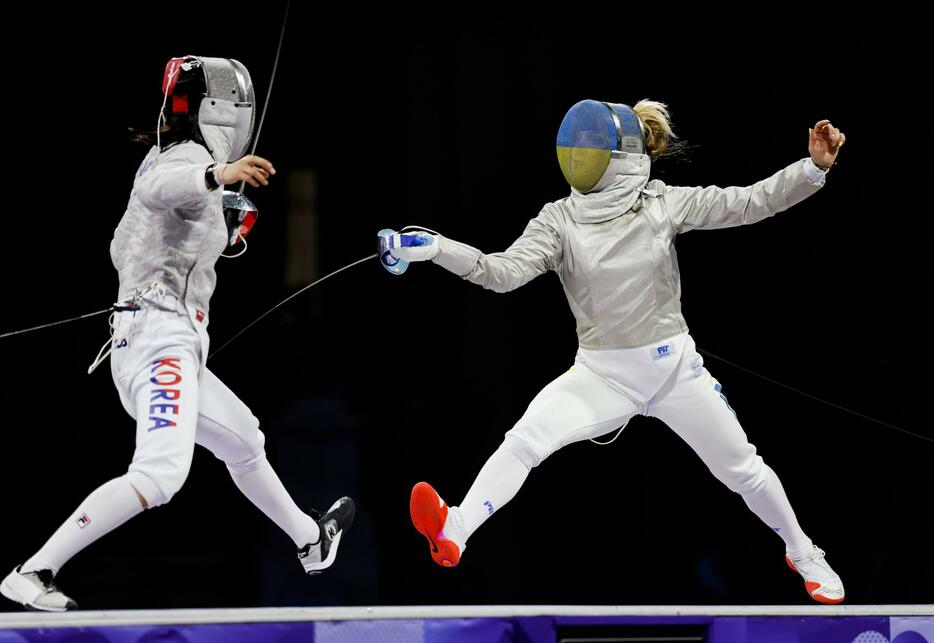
(413, 246)
(403, 240)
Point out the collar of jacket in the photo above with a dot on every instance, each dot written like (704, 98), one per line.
(615, 193)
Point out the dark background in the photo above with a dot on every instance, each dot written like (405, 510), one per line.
(370, 382)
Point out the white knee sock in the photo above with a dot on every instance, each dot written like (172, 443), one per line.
(262, 486)
(770, 503)
(497, 483)
(108, 507)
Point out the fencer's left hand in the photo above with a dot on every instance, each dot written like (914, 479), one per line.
(253, 169)
(824, 143)
(413, 246)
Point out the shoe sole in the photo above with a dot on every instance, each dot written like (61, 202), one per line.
(428, 514)
(811, 587)
(8, 590)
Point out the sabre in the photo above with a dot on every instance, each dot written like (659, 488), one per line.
(287, 299)
(239, 211)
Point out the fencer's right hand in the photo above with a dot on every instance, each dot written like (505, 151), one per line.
(253, 169)
(413, 246)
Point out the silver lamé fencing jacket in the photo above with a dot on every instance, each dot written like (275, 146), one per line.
(613, 248)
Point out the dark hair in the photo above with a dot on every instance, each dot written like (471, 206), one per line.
(178, 128)
(149, 137)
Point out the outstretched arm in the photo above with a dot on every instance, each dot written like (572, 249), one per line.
(713, 207)
(535, 252)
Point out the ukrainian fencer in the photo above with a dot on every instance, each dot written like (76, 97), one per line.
(611, 242)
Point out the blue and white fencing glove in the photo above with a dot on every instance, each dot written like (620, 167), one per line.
(413, 246)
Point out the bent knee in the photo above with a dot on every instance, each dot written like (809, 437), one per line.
(158, 482)
(523, 449)
(744, 477)
(248, 454)
(248, 465)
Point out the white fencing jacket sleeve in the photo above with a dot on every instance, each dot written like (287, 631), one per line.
(176, 182)
(535, 252)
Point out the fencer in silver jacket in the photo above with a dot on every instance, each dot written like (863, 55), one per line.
(613, 248)
(611, 242)
(173, 230)
(164, 249)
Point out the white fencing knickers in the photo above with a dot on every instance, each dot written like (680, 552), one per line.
(604, 389)
(157, 366)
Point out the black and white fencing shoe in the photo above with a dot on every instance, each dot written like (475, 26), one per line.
(316, 557)
(36, 591)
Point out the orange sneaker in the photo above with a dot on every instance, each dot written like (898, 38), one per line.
(429, 514)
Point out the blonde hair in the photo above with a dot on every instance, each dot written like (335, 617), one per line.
(659, 136)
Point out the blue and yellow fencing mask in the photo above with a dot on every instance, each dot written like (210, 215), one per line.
(592, 133)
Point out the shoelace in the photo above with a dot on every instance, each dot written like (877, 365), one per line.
(45, 577)
(330, 527)
(816, 554)
(324, 531)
